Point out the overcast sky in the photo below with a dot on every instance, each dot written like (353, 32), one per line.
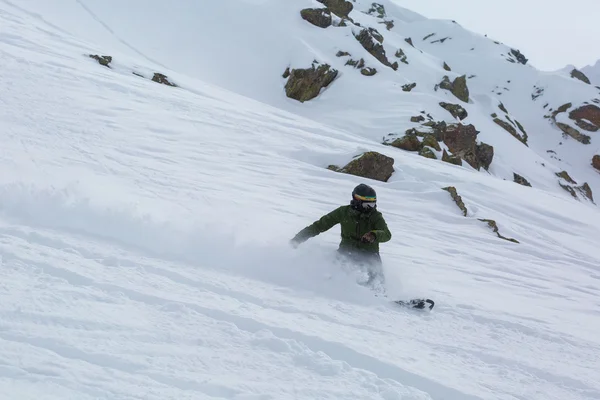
(551, 33)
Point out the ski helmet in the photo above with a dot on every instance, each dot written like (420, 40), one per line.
(364, 198)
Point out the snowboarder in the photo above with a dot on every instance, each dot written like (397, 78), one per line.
(362, 229)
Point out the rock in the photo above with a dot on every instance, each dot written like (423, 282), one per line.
(519, 56)
(510, 129)
(407, 142)
(409, 41)
(286, 73)
(371, 165)
(587, 117)
(501, 106)
(460, 139)
(431, 141)
(378, 10)
(569, 189)
(457, 199)
(389, 25)
(586, 190)
(451, 159)
(341, 8)
(408, 87)
(565, 175)
(418, 118)
(400, 54)
(574, 133)
(162, 79)
(102, 60)
(356, 64)
(494, 226)
(342, 54)
(596, 162)
(577, 74)
(320, 17)
(447, 67)
(520, 180)
(306, 84)
(484, 156)
(427, 153)
(370, 42)
(458, 87)
(456, 110)
(368, 71)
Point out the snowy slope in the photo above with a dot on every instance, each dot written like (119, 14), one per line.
(245, 46)
(144, 245)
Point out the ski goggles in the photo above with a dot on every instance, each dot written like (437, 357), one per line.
(370, 199)
(368, 205)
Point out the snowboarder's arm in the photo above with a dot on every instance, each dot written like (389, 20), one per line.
(324, 224)
(381, 231)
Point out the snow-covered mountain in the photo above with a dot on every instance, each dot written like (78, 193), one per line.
(593, 73)
(144, 227)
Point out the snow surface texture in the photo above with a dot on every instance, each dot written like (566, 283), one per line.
(593, 72)
(144, 229)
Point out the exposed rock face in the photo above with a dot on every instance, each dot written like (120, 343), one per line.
(368, 71)
(371, 165)
(565, 175)
(400, 54)
(408, 87)
(341, 8)
(431, 141)
(427, 153)
(458, 87)
(511, 129)
(456, 110)
(407, 142)
(102, 60)
(320, 17)
(462, 142)
(574, 133)
(451, 159)
(371, 40)
(584, 189)
(577, 74)
(378, 10)
(447, 67)
(520, 180)
(162, 79)
(418, 118)
(587, 117)
(306, 84)
(518, 56)
(494, 226)
(457, 199)
(596, 162)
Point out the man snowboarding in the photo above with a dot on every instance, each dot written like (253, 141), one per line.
(362, 229)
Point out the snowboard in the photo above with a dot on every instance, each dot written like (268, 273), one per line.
(419, 304)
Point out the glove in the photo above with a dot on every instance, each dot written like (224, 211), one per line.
(368, 237)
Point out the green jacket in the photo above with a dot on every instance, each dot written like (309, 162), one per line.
(354, 225)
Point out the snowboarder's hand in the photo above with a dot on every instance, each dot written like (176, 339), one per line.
(368, 238)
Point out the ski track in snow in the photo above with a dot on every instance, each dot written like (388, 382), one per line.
(143, 253)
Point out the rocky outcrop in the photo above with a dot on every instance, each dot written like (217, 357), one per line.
(408, 142)
(320, 17)
(456, 110)
(427, 153)
(371, 165)
(518, 56)
(458, 87)
(457, 199)
(371, 41)
(306, 84)
(574, 133)
(452, 159)
(462, 142)
(400, 54)
(587, 117)
(377, 10)
(431, 141)
(494, 226)
(511, 129)
(368, 71)
(584, 189)
(341, 8)
(102, 60)
(408, 87)
(417, 119)
(447, 67)
(577, 74)
(520, 180)
(596, 162)
(162, 79)
(484, 155)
